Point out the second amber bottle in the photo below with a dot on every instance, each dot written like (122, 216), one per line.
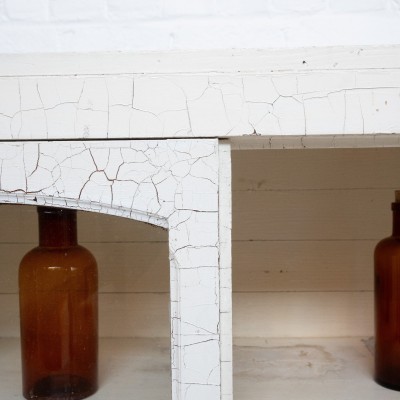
(387, 305)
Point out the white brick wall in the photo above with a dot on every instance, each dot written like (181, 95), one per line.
(293, 6)
(77, 10)
(196, 8)
(26, 10)
(135, 10)
(138, 25)
(2, 11)
(357, 5)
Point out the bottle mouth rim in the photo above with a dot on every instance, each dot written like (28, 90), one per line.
(55, 210)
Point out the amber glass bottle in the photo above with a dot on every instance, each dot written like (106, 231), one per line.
(58, 312)
(387, 305)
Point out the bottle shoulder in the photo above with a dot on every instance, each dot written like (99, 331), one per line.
(62, 256)
(389, 243)
(390, 239)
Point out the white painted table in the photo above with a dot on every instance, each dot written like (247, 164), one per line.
(148, 137)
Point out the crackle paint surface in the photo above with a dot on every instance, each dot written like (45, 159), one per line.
(170, 183)
(199, 105)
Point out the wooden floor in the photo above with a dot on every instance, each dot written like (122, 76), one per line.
(273, 369)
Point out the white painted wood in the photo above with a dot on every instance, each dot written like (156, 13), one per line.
(258, 266)
(338, 141)
(301, 369)
(225, 272)
(128, 368)
(344, 92)
(303, 314)
(197, 61)
(310, 266)
(299, 266)
(374, 168)
(169, 183)
(9, 315)
(338, 93)
(256, 314)
(312, 312)
(360, 214)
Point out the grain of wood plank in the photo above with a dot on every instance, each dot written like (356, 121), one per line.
(257, 266)
(316, 169)
(280, 314)
(293, 314)
(265, 266)
(312, 215)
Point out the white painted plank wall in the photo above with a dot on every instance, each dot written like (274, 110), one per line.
(310, 220)
(304, 226)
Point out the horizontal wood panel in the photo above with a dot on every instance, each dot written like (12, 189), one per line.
(9, 315)
(19, 224)
(134, 315)
(107, 228)
(293, 314)
(316, 169)
(312, 215)
(123, 267)
(120, 315)
(255, 314)
(302, 266)
(132, 267)
(257, 266)
(315, 142)
(251, 61)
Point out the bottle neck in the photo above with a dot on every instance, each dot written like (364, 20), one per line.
(57, 227)
(396, 219)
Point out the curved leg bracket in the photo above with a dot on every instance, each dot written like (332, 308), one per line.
(182, 185)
